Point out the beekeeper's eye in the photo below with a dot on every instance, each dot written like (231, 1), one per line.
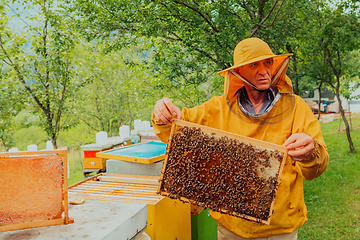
(268, 62)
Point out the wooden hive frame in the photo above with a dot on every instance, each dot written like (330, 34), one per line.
(64, 219)
(116, 188)
(174, 183)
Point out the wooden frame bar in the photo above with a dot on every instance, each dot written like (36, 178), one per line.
(116, 188)
(220, 133)
(43, 223)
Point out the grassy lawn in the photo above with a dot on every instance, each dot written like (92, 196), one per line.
(333, 199)
(75, 159)
(75, 164)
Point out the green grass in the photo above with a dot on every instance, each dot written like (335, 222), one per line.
(75, 158)
(333, 199)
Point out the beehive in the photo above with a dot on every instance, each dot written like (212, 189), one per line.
(224, 172)
(34, 189)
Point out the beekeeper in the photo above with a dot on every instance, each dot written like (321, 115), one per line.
(258, 102)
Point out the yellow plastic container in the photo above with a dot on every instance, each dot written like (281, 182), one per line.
(94, 163)
(169, 219)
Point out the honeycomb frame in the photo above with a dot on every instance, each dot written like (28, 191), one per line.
(189, 173)
(36, 156)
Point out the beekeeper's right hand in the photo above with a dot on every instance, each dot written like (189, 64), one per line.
(166, 112)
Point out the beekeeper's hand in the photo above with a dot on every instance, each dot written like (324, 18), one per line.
(299, 145)
(166, 112)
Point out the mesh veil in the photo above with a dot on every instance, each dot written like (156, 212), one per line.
(282, 106)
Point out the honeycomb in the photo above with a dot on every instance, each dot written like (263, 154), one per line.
(225, 175)
(31, 189)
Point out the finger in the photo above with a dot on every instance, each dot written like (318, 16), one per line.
(298, 140)
(162, 118)
(173, 109)
(166, 111)
(300, 143)
(300, 154)
(162, 113)
(177, 113)
(291, 139)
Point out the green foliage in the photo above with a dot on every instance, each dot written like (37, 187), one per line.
(140, 51)
(189, 40)
(10, 105)
(334, 33)
(118, 89)
(44, 73)
(27, 136)
(350, 80)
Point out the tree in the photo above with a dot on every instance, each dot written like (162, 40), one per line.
(350, 80)
(288, 34)
(118, 90)
(45, 73)
(191, 40)
(337, 34)
(194, 38)
(10, 105)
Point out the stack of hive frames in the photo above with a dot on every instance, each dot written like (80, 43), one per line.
(34, 189)
(166, 218)
(224, 172)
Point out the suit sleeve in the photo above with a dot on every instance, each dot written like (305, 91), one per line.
(316, 163)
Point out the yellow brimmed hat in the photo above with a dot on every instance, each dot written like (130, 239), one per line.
(251, 50)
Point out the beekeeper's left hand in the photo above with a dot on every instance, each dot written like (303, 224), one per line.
(299, 145)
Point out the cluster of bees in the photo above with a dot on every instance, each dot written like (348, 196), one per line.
(222, 174)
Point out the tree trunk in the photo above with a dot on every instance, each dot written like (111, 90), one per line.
(53, 140)
(342, 113)
(4, 144)
(319, 105)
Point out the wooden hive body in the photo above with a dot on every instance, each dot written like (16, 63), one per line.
(225, 172)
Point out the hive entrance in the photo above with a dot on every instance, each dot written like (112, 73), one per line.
(225, 172)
